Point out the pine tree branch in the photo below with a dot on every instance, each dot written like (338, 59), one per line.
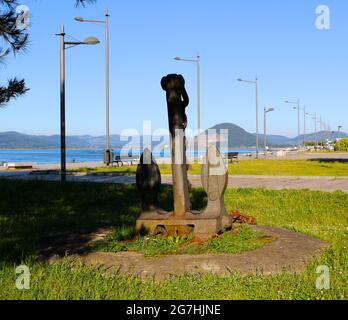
(16, 40)
(84, 2)
(15, 88)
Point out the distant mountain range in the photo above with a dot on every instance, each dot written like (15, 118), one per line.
(238, 138)
(15, 140)
(281, 141)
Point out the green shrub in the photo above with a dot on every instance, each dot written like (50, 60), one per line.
(342, 145)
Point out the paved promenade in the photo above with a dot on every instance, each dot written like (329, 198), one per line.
(329, 184)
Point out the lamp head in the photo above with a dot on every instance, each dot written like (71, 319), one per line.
(91, 41)
(177, 59)
(79, 19)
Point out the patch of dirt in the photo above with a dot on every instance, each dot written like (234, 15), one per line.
(71, 244)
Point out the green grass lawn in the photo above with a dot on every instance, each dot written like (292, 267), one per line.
(232, 241)
(290, 168)
(251, 167)
(30, 211)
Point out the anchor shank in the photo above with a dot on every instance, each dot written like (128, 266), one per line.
(180, 178)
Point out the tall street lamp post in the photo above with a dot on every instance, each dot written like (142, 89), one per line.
(256, 83)
(198, 62)
(297, 103)
(305, 123)
(339, 131)
(314, 117)
(108, 154)
(321, 132)
(266, 110)
(63, 46)
(326, 131)
(304, 126)
(330, 131)
(315, 129)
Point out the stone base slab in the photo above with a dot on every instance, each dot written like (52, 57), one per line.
(290, 252)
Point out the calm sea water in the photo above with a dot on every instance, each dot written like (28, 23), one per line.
(53, 156)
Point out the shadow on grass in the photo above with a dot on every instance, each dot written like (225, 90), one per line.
(110, 171)
(33, 212)
(118, 172)
(328, 160)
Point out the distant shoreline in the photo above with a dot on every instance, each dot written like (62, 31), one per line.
(102, 149)
(49, 149)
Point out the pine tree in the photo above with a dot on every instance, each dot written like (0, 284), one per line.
(15, 40)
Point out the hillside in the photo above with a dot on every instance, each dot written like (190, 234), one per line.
(15, 140)
(237, 136)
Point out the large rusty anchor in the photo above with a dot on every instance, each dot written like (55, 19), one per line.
(182, 221)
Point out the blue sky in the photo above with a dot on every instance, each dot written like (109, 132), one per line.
(277, 40)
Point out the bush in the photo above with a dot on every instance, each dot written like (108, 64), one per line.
(311, 144)
(342, 145)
